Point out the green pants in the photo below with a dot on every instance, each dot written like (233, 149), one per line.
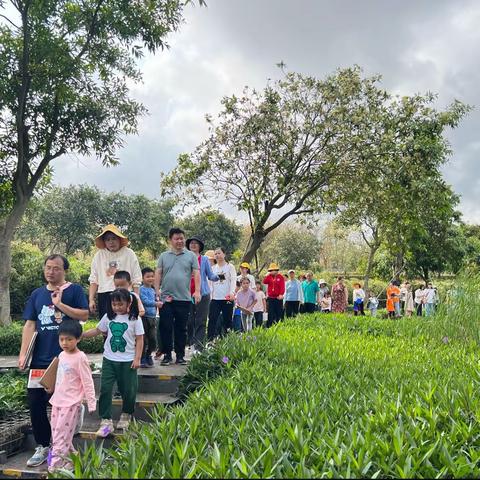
(127, 381)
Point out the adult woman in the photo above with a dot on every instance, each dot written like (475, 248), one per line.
(223, 293)
(112, 255)
(409, 308)
(339, 296)
(245, 273)
(198, 314)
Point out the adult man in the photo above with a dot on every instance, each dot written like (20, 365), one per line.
(46, 308)
(310, 293)
(293, 295)
(172, 277)
(198, 314)
(275, 291)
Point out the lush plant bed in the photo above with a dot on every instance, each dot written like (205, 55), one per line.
(11, 339)
(13, 393)
(315, 396)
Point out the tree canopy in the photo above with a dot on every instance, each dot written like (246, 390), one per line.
(288, 150)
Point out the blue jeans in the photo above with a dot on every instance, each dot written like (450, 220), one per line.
(429, 309)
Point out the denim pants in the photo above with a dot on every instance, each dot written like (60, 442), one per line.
(429, 309)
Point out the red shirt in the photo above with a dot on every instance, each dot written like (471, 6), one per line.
(276, 285)
(192, 280)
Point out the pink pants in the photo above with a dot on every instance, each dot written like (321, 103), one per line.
(64, 421)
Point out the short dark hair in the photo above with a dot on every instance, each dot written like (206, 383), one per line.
(123, 295)
(146, 270)
(54, 256)
(71, 328)
(122, 275)
(175, 231)
(258, 282)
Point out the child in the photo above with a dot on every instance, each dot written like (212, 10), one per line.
(326, 303)
(121, 357)
(246, 299)
(237, 313)
(260, 305)
(74, 384)
(372, 304)
(147, 297)
(122, 279)
(358, 299)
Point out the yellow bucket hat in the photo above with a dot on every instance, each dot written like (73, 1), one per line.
(245, 265)
(99, 242)
(273, 266)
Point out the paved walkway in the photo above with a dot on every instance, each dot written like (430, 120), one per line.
(96, 358)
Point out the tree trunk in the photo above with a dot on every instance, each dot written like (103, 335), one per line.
(254, 243)
(371, 256)
(7, 230)
(398, 266)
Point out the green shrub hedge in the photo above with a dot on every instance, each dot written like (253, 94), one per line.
(11, 339)
(315, 396)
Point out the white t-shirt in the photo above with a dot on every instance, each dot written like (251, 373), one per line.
(121, 332)
(429, 295)
(222, 288)
(105, 263)
(260, 295)
(419, 296)
(358, 294)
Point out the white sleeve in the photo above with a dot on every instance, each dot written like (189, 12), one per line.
(93, 278)
(103, 324)
(139, 327)
(136, 272)
(233, 279)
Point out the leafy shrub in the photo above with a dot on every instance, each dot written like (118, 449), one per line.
(26, 273)
(330, 396)
(13, 393)
(11, 339)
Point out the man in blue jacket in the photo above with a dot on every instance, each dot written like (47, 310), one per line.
(199, 312)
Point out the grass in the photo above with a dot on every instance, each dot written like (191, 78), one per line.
(318, 396)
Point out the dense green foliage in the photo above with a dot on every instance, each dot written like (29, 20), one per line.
(13, 393)
(11, 339)
(214, 228)
(67, 219)
(317, 396)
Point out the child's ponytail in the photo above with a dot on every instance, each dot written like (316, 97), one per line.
(134, 311)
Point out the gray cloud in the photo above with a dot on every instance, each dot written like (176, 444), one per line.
(416, 46)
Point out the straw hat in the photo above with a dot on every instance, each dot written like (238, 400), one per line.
(210, 254)
(273, 266)
(322, 281)
(99, 242)
(245, 265)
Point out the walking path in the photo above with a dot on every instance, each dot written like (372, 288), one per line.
(156, 385)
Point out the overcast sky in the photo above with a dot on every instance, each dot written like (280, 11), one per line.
(416, 45)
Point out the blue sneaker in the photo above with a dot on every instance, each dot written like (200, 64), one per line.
(149, 361)
(143, 363)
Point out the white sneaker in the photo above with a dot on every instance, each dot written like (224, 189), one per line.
(40, 456)
(124, 421)
(106, 428)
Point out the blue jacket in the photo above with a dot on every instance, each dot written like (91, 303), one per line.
(205, 275)
(147, 296)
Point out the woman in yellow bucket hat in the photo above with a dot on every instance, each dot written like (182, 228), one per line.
(112, 256)
(245, 273)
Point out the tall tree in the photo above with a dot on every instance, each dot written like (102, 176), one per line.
(392, 204)
(274, 153)
(65, 69)
(67, 219)
(215, 229)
